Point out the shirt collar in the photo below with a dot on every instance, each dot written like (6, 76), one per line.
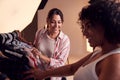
(61, 35)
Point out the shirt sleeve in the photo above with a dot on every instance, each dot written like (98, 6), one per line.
(38, 37)
(60, 57)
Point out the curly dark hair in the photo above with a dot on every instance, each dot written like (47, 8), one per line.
(106, 13)
(93, 1)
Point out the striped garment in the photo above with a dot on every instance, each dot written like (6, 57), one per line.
(12, 47)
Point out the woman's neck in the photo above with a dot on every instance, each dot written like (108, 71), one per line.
(53, 35)
(108, 48)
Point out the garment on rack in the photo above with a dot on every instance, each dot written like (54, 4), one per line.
(18, 59)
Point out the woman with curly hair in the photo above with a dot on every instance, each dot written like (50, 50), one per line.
(101, 26)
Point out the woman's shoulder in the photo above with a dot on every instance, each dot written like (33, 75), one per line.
(41, 31)
(63, 35)
(113, 57)
(115, 51)
(110, 66)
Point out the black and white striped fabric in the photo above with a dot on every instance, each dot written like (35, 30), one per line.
(12, 47)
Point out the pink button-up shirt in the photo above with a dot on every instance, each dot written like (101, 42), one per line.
(61, 47)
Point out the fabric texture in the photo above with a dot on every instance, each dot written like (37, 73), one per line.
(88, 72)
(17, 58)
